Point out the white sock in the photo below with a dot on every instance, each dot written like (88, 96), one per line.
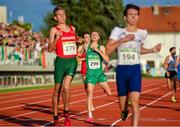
(90, 114)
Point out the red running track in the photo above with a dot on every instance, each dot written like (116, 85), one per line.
(33, 108)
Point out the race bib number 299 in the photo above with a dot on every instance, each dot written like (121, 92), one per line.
(69, 48)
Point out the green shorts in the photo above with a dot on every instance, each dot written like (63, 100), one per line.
(63, 67)
(94, 79)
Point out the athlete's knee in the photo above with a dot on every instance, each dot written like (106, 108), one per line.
(135, 104)
(55, 95)
(109, 93)
(66, 89)
(89, 92)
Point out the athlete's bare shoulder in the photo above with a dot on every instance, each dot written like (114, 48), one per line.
(74, 29)
(53, 30)
(167, 58)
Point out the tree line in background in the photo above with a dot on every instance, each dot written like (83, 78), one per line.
(89, 15)
(26, 26)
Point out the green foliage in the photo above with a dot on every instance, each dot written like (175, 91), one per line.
(50, 22)
(26, 26)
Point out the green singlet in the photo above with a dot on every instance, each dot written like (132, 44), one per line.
(95, 72)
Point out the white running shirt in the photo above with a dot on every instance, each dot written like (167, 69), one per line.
(128, 52)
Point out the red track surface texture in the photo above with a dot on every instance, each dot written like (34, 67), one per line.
(33, 108)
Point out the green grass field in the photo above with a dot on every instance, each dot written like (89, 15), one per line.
(24, 88)
(29, 87)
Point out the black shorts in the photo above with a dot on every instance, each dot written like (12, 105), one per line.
(171, 75)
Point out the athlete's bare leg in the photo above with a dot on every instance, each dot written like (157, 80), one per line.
(106, 88)
(169, 86)
(90, 98)
(55, 98)
(135, 108)
(86, 89)
(66, 89)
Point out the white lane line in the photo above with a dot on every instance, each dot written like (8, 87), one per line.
(48, 108)
(28, 98)
(17, 106)
(98, 107)
(160, 119)
(115, 122)
(101, 106)
(59, 106)
(37, 92)
(22, 99)
(30, 92)
(24, 94)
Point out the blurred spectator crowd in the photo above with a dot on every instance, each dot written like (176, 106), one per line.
(19, 46)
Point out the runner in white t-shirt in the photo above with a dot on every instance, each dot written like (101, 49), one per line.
(128, 42)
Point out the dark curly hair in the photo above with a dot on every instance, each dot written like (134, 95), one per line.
(131, 6)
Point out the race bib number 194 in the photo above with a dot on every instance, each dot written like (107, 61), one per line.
(129, 57)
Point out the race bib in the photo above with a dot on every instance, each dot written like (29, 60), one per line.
(94, 63)
(128, 57)
(69, 48)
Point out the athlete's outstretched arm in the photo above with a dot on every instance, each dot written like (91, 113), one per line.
(155, 49)
(103, 54)
(165, 63)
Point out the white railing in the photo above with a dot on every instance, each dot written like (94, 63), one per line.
(17, 80)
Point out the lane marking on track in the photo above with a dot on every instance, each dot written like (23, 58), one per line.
(82, 100)
(31, 92)
(43, 100)
(22, 99)
(115, 122)
(28, 98)
(60, 105)
(101, 106)
(160, 119)
(42, 92)
(17, 106)
(23, 94)
(49, 93)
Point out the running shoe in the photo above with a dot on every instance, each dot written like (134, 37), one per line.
(124, 115)
(67, 121)
(89, 119)
(173, 99)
